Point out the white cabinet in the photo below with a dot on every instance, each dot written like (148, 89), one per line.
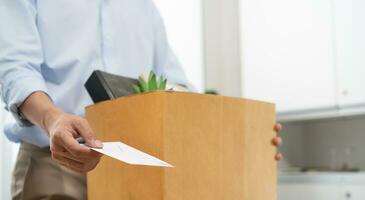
(288, 53)
(330, 191)
(301, 191)
(349, 17)
(327, 186)
(307, 56)
(353, 192)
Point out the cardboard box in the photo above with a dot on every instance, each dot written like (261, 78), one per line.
(220, 147)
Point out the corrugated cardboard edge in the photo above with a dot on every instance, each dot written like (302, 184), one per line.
(173, 92)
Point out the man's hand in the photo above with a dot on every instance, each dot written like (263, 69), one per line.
(277, 141)
(63, 130)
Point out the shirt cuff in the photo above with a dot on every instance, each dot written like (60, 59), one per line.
(15, 92)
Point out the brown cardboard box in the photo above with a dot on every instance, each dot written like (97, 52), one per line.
(220, 147)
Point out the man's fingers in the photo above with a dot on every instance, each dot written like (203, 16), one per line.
(278, 156)
(71, 165)
(64, 141)
(66, 161)
(76, 165)
(77, 150)
(67, 151)
(84, 129)
(68, 155)
(79, 167)
(93, 155)
(278, 128)
(91, 165)
(70, 162)
(60, 151)
(277, 141)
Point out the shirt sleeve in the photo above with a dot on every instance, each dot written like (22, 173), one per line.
(21, 55)
(165, 60)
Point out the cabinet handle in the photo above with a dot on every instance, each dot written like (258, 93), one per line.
(348, 195)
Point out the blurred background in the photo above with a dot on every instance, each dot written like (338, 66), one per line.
(307, 56)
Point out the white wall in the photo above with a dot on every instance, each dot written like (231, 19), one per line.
(183, 20)
(206, 38)
(222, 46)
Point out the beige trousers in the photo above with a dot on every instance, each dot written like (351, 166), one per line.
(36, 176)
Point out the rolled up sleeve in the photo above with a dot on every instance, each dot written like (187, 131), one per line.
(21, 55)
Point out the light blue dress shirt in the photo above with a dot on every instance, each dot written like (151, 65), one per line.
(54, 45)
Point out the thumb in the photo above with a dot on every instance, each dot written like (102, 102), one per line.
(84, 130)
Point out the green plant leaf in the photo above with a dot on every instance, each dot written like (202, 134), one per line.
(150, 76)
(163, 85)
(211, 91)
(144, 85)
(136, 88)
(152, 84)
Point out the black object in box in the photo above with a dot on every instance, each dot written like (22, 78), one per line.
(103, 86)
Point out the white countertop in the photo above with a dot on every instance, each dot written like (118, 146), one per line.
(322, 177)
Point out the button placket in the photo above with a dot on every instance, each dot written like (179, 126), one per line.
(107, 39)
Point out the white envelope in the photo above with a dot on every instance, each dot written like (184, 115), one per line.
(130, 155)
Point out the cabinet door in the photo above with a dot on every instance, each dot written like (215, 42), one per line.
(350, 50)
(298, 191)
(353, 192)
(287, 53)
